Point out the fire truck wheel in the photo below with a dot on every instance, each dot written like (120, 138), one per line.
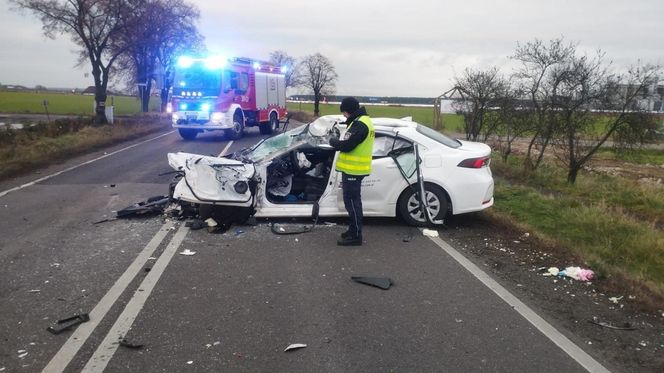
(237, 130)
(187, 134)
(271, 126)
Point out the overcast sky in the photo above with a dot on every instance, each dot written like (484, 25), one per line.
(379, 47)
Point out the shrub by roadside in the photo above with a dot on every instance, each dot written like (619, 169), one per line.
(48, 143)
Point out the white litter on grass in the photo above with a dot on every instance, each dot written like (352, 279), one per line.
(430, 233)
(216, 343)
(295, 346)
(190, 362)
(643, 344)
(296, 240)
(187, 252)
(615, 299)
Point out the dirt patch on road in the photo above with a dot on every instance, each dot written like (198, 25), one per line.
(518, 261)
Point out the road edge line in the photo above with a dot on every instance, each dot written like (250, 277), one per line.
(107, 348)
(71, 347)
(564, 343)
(5, 192)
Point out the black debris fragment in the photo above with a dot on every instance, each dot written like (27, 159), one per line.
(196, 224)
(67, 323)
(604, 324)
(379, 282)
(134, 346)
(153, 205)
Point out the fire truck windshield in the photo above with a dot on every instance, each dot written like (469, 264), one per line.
(198, 79)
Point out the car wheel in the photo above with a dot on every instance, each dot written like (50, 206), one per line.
(271, 126)
(409, 205)
(187, 134)
(238, 128)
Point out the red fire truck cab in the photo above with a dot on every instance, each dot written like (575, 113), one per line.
(227, 94)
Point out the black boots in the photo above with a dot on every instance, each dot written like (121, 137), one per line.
(347, 240)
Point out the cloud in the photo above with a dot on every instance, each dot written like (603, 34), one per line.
(379, 47)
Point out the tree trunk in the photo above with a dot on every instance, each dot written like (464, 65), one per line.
(316, 104)
(145, 96)
(164, 99)
(572, 173)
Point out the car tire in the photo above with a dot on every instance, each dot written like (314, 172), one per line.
(187, 133)
(271, 126)
(408, 204)
(238, 128)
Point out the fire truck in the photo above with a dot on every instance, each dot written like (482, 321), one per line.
(229, 94)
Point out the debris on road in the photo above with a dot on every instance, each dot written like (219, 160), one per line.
(134, 346)
(576, 273)
(379, 282)
(68, 323)
(625, 326)
(616, 300)
(196, 224)
(430, 232)
(187, 252)
(22, 354)
(153, 205)
(34, 291)
(295, 346)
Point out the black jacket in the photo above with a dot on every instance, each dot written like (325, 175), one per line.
(355, 135)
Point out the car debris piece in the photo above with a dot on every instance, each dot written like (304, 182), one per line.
(187, 252)
(625, 326)
(153, 205)
(135, 346)
(67, 323)
(430, 232)
(379, 282)
(295, 346)
(576, 273)
(196, 224)
(103, 221)
(616, 300)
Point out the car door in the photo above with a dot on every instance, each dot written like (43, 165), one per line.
(381, 189)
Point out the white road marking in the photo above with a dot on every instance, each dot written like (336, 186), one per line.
(67, 352)
(4, 193)
(109, 345)
(223, 152)
(574, 351)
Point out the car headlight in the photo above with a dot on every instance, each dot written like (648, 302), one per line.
(175, 117)
(216, 117)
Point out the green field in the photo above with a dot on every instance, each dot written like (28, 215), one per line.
(451, 122)
(66, 103)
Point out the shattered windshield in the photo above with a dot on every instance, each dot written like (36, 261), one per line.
(277, 143)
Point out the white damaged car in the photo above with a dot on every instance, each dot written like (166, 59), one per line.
(292, 174)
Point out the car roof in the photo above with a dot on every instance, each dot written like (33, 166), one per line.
(378, 122)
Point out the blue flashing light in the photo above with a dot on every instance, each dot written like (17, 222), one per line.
(185, 61)
(215, 62)
(205, 107)
(284, 69)
(257, 66)
(182, 84)
(183, 106)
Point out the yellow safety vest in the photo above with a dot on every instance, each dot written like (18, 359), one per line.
(358, 161)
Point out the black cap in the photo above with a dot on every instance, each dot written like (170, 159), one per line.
(349, 105)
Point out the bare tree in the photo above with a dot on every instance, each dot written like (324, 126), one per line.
(92, 25)
(319, 76)
(159, 29)
(293, 77)
(534, 78)
(588, 87)
(483, 90)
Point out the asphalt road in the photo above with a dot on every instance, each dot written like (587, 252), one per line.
(244, 296)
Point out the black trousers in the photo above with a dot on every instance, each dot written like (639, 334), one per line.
(352, 186)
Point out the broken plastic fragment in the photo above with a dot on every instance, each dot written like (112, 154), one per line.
(211, 222)
(616, 299)
(190, 362)
(430, 233)
(379, 282)
(295, 346)
(187, 252)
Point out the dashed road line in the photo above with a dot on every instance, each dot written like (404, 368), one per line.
(109, 345)
(67, 352)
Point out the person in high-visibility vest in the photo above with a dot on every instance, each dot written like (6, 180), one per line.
(354, 163)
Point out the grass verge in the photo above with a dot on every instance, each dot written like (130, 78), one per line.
(28, 150)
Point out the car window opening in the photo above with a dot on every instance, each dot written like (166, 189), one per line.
(299, 176)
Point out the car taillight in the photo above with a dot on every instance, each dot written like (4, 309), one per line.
(475, 162)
